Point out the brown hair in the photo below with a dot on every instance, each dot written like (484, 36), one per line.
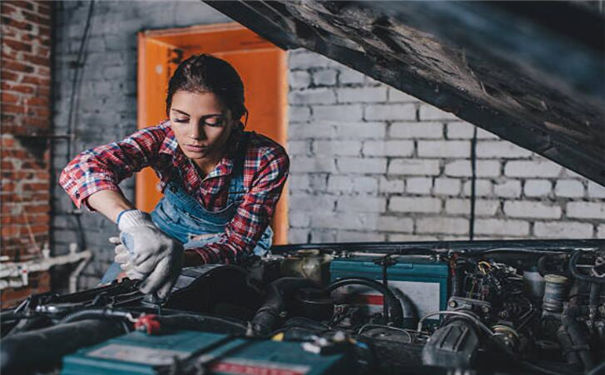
(206, 73)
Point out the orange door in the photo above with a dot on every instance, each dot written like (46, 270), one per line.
(261, 65)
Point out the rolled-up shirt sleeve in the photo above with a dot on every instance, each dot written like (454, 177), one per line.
(103, 167)
(253, 214)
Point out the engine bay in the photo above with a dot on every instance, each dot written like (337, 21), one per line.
(418, 308)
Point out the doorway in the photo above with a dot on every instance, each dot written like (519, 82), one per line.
(262, 67)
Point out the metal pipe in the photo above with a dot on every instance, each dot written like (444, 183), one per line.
(75, 274)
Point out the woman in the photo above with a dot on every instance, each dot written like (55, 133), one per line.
(220, 183)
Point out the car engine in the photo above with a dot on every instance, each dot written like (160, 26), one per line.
(417, 308)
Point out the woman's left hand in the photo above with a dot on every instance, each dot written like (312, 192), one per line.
(122, 256)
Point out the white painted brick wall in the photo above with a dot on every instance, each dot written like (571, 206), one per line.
(444, 149)
(324, 77)
(483, 207)
(418, 185)
(299, 79)
(595, 190)
(462, 168)
(483, 188)
(500, 150)
(563, 230)
(499, 227)
(388, 148)
(428, 112)
(414, 167)
(586, 210)
(299, 114)
(314, 203)
(301, 164)
(299, 147)
(386, 185)
(349, 184)
(356, 236)
(312, 96)
(395, 224)
(361, 94)
(447, 186)
(336, 147)
(366, 130)
(531, 209)
(569, 189)
(311, 131)
(390, 112)
(416, 130)
(463, 130)
(300, 219)
(508, 189)
(362, 166)
(534, 168)
(336, 220)
(439, 225)
(397, 96)
(404, 204)
(298, 235)
(350, 76)
(337, 112)
(537, 188)
(369, 162)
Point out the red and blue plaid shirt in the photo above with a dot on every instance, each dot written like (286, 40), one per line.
(265, 171)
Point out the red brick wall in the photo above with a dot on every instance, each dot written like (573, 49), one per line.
(25, 151)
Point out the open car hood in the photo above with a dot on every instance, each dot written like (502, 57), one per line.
(531, 72)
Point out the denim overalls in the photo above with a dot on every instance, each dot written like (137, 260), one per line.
(182, 217)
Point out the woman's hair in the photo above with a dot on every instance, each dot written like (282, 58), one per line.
(206, 73)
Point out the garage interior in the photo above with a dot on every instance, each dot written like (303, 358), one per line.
(447, 126)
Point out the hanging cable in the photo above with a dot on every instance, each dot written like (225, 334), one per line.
(471, 229)
(77, 65)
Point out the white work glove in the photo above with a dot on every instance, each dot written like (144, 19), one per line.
(151, 252)
(122, 256)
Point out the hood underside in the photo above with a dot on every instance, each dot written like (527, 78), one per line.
(531, 72)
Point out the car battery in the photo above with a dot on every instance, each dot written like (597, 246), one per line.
(421, 278)
(139, 353)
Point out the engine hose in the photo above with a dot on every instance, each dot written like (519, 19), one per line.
(580, 276)
(201, 323)
(273, 310)
(578, 338)
(96, 314)
(30, 351)
(396, 312)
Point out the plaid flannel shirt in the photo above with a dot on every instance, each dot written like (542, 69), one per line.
(265, 172)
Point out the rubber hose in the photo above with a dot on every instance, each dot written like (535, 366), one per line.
(38, 349)
(578, 338)
(95, 314)
(272, 311)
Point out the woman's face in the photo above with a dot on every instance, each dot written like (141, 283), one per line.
(201, 125)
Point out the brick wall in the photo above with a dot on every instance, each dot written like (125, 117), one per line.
(106, 103)
(25, 157)
(370, 163)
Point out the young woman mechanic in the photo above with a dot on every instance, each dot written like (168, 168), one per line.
(221, 184)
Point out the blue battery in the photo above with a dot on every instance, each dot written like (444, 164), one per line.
(422, 279)
(138, 353)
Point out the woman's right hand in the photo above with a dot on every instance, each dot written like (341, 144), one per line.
(152, 253)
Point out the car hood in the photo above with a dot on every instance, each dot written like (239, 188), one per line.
(531, 72)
